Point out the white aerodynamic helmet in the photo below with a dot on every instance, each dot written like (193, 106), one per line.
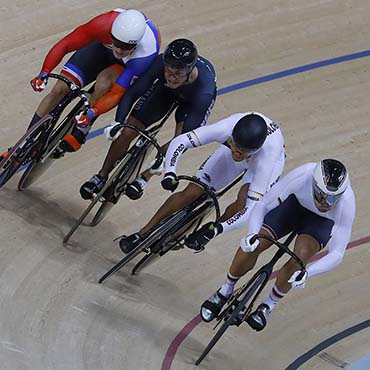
(330, 181)
(129, 26)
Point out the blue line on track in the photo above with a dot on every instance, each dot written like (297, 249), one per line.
(327, 343)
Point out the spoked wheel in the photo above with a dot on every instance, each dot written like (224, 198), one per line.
(105, 207)
(231, 317)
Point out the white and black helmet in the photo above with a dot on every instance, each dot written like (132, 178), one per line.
(330, 181)
(129, 27)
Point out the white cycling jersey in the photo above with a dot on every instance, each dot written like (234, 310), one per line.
(299, 183)
(262, 169)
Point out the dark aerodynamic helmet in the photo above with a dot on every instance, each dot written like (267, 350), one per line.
(250, 133)
(181, 54)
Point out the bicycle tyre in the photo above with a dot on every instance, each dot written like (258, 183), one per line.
(145, 261)
(22, 152)
(102, 211)
(7, 173)
(231, 319)
(195, 217)
(33, 172)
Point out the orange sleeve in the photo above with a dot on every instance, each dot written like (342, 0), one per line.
(109, 100)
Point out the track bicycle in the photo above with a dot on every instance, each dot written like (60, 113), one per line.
(40, 145)
(240, 304)
(170, 233)
(125, 172)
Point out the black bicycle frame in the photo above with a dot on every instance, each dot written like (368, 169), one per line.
(171, 225)
(237, 310)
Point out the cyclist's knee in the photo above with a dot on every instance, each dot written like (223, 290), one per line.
(191, 193)
(59, 90)
(102, 86)
(127, 135)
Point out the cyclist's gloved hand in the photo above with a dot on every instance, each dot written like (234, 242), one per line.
(170, 181)
(247, 246)
(301, 283)
(84, 118)
(39, 83)
(112, 132)
(198, 239)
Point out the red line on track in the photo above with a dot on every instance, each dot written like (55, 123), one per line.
(188, 328)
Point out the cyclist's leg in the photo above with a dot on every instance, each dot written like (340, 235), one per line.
(117, 151)
(50, 101)
(119, 147)
(275, 225)
(174, 203)
(94, 62)
(78, 69)
(241, 264)
(214, 172)
(313, 234)
(217, 171)
(104, 81)
(152, 107)
(305, 247)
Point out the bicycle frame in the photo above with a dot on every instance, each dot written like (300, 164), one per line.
(35, 141)
(238, 309)
(173, 228)
(128, 168)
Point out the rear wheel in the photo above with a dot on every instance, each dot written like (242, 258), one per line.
(35, 169)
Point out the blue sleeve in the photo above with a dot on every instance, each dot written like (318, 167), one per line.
(136, 90)
(134, 69)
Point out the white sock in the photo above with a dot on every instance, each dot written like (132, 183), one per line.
(274, 297)
(229, 284)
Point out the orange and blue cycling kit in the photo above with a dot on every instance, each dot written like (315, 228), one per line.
(93, 45)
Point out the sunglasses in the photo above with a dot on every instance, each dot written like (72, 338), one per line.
(122, 45)
(323, 198)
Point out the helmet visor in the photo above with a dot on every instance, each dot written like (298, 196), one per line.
(323, 198)
(122, 45)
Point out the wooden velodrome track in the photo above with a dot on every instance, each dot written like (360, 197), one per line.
(53, 313)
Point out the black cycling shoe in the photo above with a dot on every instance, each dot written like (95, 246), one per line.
(128, 243)
(135, 190)
(257, 320)
(200, 238)
(212, 306)
(92, 187)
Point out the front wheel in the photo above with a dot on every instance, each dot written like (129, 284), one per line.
(147, 260)
(7, 171)
(105, 207)
(233, 310)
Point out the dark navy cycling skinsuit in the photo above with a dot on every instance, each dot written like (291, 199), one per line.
(195, 101)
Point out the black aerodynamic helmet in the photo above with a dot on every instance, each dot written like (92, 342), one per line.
(250, 132)
(181, 54)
